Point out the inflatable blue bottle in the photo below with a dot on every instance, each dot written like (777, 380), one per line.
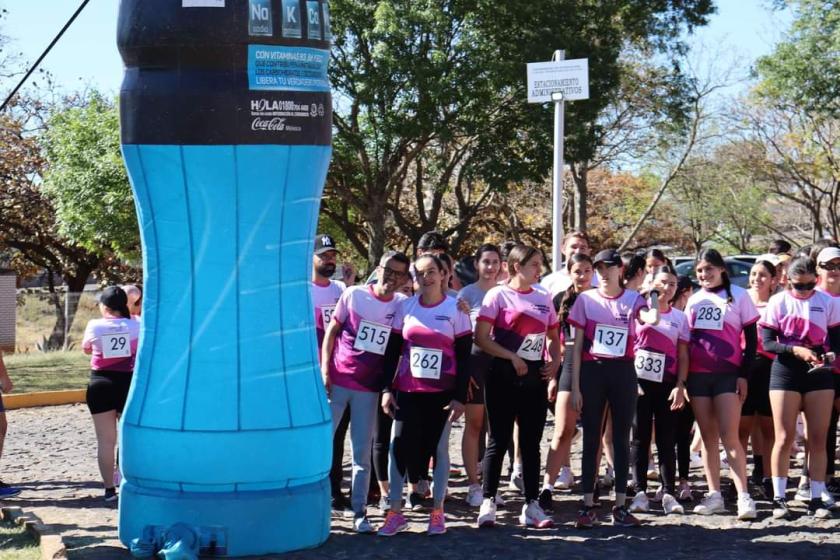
(226, 126)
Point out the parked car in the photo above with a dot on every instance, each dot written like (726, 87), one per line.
(739, 271)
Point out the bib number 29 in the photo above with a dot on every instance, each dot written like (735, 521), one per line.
(117, 345)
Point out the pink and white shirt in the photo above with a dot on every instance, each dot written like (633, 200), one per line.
(324, 299)
(366, 324)
(520, 320)
(609, 324)
(716, 327)
(428, 364)
(762, 313)
(112, 342)
(826, 292)
(802, 321)
(663, 338)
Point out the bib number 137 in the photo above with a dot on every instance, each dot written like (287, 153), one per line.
(609, 341)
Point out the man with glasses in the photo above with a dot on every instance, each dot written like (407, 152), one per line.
(351, 365)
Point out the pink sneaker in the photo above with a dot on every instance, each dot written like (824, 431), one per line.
(437, 523)
(394, 523)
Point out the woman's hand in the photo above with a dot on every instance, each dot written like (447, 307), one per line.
(549, 370)
(741, 389)
(577, 400)
(677, 398)
(552, 389)
(806, 355)
(455, 408)
(325, 378)
(519, 365)
(389, 404)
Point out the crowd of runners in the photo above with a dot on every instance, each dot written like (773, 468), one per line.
(619, 348)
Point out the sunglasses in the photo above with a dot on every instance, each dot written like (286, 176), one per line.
(803, 286)
(829, 267)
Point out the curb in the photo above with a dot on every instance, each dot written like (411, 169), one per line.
(49, 540)
(43, 398)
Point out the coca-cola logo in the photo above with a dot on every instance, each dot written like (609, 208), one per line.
(275, 124)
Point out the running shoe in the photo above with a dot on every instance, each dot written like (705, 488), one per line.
(534, 516)
(437, 523)
(724, 460)
(623, 518)
(487, 514)
(516, 483)
(424, 488)
(341, 505)
(362, 525)
(499, 500)
(394, 523)
(657, 497)
(781, 509)
(696, 461)
(684, 492)
(711, 504)
(7, 491)
(415, 501)
(671, 505)
(475, 495)
(640, 503)
(111, 495)
(609, 477)
(546, 501)
(586, 518)
(803, 493)
(384, 504)
(566, 479)
(817, 509)
(652, 473)
(833, 487)
(828, 500)
(746, 508)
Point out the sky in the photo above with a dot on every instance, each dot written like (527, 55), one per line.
(87, 55)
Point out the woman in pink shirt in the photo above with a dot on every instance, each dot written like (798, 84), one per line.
(111, 343)
(828, 267)
(719, 315)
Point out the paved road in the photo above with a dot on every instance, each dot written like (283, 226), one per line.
(50, 452)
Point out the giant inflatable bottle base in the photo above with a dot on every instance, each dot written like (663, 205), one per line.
(226, 123)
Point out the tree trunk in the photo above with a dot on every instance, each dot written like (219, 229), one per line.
(579, 178)
(377, 237)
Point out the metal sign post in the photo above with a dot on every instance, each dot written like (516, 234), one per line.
(558, 81)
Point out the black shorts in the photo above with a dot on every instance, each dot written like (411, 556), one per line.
(789, 373)
(107, 390)
(479, 364)
(836, 386)
(711, 384)
(758, 391)
(564, 384)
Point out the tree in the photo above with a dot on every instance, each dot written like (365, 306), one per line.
(431, 115)
(85, 177)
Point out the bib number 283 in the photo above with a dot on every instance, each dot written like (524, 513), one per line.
(426, 363)
(116, 345)
(609, 341)
(709, 317)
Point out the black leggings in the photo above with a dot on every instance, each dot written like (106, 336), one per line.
(419, 423)
(336, 471)
(684, 422)
(382, 445)
(508, 398)
(654, 407)
(605, 382)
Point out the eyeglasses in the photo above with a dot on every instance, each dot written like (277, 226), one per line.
(803, 286)
(829, 267)
(391, 272)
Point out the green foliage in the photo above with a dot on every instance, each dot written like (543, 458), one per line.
(804, 70)
(86, 180)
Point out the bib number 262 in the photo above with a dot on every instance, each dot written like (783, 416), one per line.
(426, 363)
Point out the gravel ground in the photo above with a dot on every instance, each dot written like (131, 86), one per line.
(50, 454)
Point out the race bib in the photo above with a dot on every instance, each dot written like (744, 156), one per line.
(709, 317)
(326, 314)
(650, 365)
(425, 363)
(372, 337)
(532, 347)
(609, 341)
(116, 345)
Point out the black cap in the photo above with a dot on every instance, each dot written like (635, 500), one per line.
(324, 243)
(607, 256)
(113, 297)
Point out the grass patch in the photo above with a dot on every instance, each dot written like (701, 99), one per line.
(16, 543)
(35, 319)
(50, 371)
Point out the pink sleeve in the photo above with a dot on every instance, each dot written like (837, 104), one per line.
(638, 305)
(463, 325)
(342, 308)
(749, 314)
(577, 314)
(87, 339)
(685, 333)
(771, 314)
(489, 307)
(399, 316)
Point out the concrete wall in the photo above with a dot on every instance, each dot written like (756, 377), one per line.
(8, 310)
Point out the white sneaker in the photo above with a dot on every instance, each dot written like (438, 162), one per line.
(711, 504)
(803, 493)
(828, 500)
(746, 508)
(362, 525)
(657, 497)
(475, 495)
(671, 505)
(566, 479)
(724, 461)
(639, 504)
(516, 483)
(696, 461)
(609, 477)
(685, 492)
(534, 516)
(499, 500)
(487, 514)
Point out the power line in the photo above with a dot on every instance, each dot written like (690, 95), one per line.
(44, 54)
